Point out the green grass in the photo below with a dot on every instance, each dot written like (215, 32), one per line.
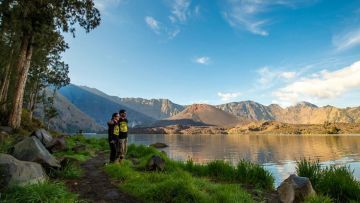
(42, 192)
(338, 183)
(92, 146)
(217, 181)
(317, 199)
(70, 171)
(178, 186)
(6, 144)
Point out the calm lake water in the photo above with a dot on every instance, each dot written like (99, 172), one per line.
(277, 153)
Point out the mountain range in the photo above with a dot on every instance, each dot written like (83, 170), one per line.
(89, 109)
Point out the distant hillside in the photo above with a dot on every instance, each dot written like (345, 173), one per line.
(162, 112)
(248, 110)
(70, 118)
(100, 107)
(206, 114)
(154, 108)
(302, 113)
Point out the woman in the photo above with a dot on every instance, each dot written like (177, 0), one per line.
(113, 137)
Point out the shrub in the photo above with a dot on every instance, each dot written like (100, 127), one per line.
(253, 174)
(338, 183)
(309, 169)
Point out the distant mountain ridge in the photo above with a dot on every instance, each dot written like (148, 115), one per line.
(98, 106)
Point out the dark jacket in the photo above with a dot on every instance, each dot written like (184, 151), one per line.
(113, 130)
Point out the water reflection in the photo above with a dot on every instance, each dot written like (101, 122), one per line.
(277, 153)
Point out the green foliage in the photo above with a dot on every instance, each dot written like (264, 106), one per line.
(187, 182)
(43, 192)
(6, 143)
(309, 169)
(254, 174)
(177, 186)
(317, 199)
(70, 171)
(338, 183)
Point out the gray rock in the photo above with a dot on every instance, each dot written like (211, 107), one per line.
(31, 149)
(15, 172)
(156, 163)
(6, 129)
(295, 189)
(57, 144)
(45, 137)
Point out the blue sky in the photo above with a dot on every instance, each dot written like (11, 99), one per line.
(219, 51)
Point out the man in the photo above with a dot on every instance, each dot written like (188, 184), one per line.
(123, 134)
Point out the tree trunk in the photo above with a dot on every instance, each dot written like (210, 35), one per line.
(5, 83)
(33, 100)
(23, 68)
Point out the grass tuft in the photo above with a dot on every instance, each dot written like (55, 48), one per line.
(338, 183)
(41, 192)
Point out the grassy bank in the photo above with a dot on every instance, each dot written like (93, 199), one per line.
(217, 181)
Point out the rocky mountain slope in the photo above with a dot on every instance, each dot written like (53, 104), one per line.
(100, 107)
(70, 118)
(205, 114)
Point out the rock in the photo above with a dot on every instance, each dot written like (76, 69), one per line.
(45, 138)
(156, 163)
(31, 149)
(15, 172)
(159, 145)
(57, 144)
(295, 189)
(6, 129)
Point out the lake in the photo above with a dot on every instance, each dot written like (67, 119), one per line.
(277, 153)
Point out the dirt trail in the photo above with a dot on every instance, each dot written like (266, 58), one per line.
(95, 186)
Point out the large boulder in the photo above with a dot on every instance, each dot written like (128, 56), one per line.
(45, 137)
(15, 172)
(295, 189)
(31, 149)
(156, 163)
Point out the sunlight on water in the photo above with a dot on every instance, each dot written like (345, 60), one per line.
(277, 153)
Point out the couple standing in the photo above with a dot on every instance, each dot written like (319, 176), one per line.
(118, 133)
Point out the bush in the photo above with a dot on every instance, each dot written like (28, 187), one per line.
(338, 183)
(42, 192)
(309, 169)
(254, 174)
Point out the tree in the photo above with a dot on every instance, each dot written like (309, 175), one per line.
(47, 70)
(39, 18)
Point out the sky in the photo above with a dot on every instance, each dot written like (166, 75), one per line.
(220, 51)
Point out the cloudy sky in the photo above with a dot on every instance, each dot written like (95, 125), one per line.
(219, 51)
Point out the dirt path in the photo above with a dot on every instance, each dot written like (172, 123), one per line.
(95, 186)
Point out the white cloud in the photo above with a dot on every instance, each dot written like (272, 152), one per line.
(103, 5)
(228, 96)
(153, 24)
(205, 60)
(246, 13)
(322, 85)
(347, 40)
(180, 10)
(267, 76)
